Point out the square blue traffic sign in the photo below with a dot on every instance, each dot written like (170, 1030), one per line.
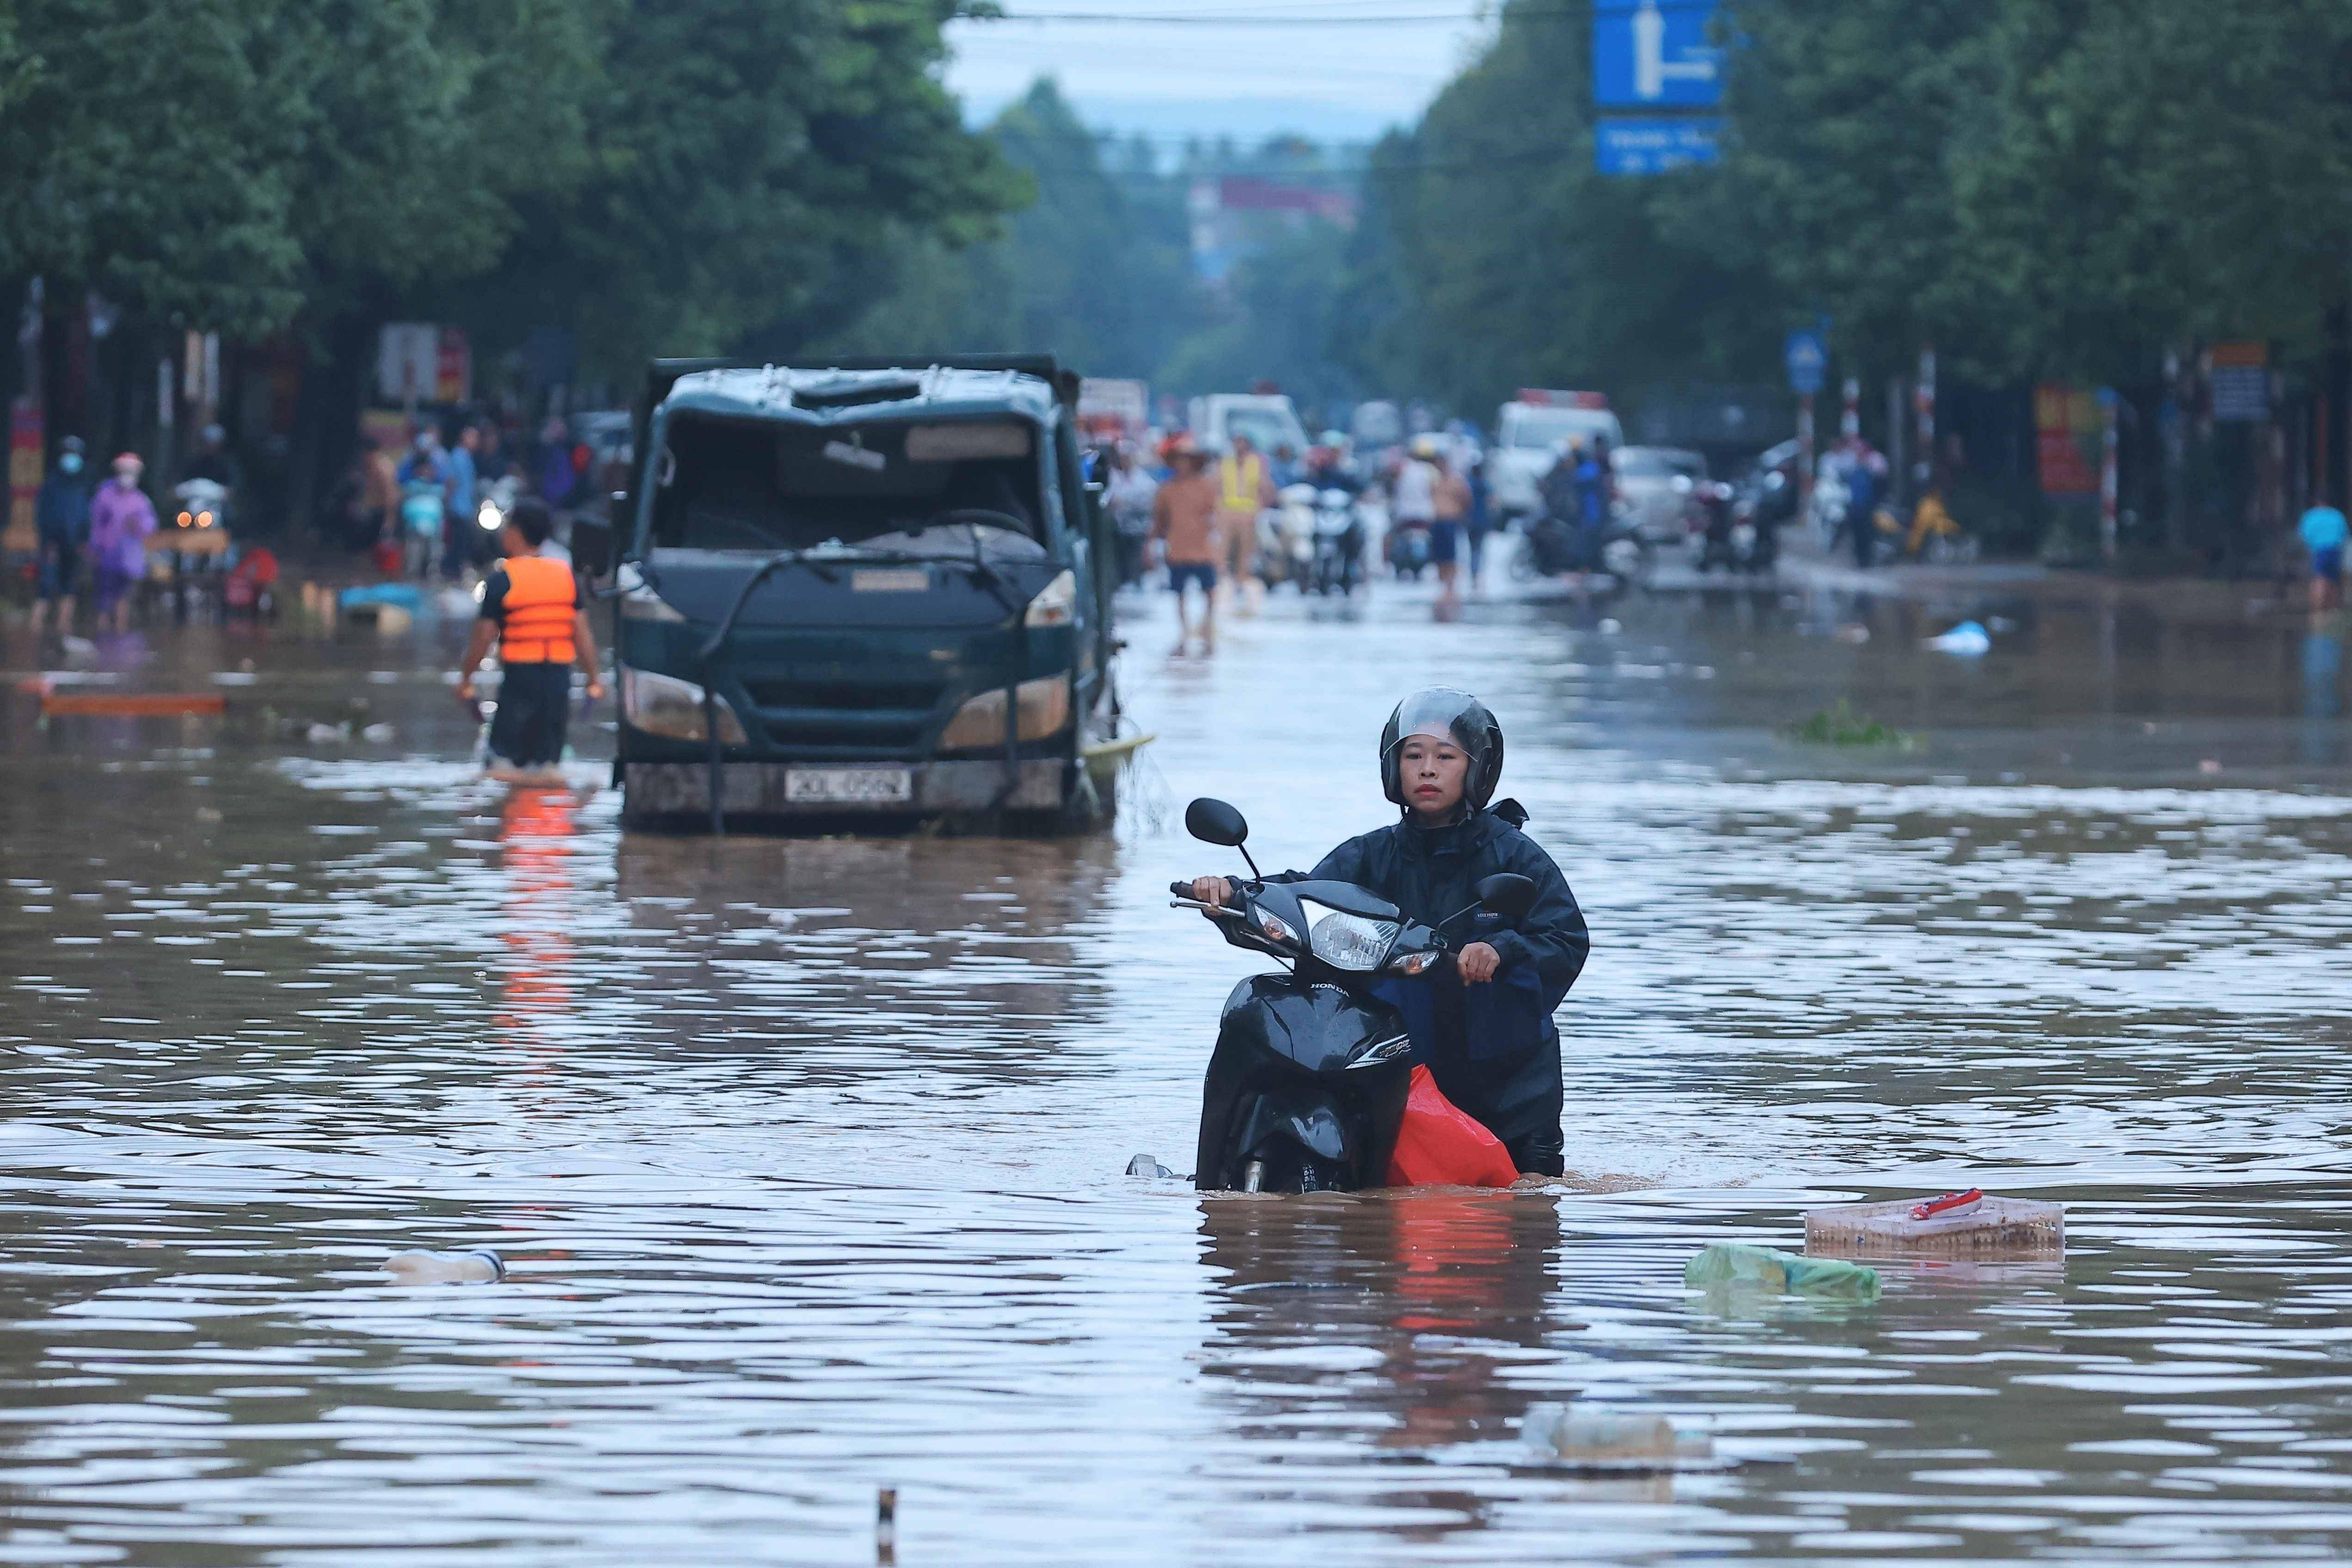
(1655, 53)
(1807, 359)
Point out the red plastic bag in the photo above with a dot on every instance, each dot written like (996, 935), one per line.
(1440, 1144)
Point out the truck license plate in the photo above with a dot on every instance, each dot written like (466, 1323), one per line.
(849, 786)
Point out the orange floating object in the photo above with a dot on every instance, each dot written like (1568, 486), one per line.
(132, 704)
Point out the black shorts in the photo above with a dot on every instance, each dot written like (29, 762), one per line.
(534, 700)
(1182, 571)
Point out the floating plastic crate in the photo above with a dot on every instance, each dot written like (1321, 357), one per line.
(1993, 1228)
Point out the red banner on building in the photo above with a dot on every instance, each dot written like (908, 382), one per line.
(2069, 432)
(25, 430)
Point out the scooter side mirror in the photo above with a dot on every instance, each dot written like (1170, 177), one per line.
(1506, 893)
(1214, 822)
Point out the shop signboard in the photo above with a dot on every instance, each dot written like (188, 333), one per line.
(2069, 429)
(2241, 380)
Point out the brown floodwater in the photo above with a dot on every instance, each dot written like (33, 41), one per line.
(808, 1156)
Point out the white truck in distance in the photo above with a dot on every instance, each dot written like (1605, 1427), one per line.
(1268, 419)
(1528, 433)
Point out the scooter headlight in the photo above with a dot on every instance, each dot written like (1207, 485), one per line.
(1348, 942)
(490, 517)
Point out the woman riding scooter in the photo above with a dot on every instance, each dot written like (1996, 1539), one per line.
(1482, 1026)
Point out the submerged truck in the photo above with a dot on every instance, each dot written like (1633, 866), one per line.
(874, 589)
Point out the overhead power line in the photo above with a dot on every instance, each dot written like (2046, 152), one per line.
(1260, 19)
(1148, 19)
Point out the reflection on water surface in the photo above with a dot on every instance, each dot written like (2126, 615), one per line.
(807, 1154)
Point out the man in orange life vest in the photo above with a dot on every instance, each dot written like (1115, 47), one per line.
(531, 608)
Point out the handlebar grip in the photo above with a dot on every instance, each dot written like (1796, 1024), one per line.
(1181, 890)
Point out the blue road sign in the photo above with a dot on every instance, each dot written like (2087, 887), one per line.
(1654, 146)
(1655, 54)
(1807, 359)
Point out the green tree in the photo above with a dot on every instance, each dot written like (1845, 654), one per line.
(741, 156)
(2154, 174)
(1086, 269)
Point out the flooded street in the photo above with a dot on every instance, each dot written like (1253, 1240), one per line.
(806, 1156)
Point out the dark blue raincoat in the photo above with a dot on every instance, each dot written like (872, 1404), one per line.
(1493, 1047)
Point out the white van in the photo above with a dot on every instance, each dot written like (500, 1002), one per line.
(1528, 433)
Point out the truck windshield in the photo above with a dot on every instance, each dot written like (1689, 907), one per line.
(762, 485)
(1546, 426)
(1269, 429)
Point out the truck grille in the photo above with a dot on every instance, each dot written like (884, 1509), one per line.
(865, 716)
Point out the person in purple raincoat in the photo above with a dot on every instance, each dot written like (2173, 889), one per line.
(122, 518)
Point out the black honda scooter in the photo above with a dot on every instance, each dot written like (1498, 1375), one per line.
(1307, 1084)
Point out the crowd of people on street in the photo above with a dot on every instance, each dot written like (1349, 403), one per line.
(420, 509)
(414, 506)
(1196, 514)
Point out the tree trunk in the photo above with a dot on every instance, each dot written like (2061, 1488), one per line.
(326, 419)
(2337, 398)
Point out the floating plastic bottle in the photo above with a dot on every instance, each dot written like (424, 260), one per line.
(1562, 1435)
(1731, 1265)
(479, 1266)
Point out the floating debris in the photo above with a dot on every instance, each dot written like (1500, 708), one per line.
(1839, 725)
(1732, 1265)
(1966, 640)
(1560, 1437)
(1985, 1228)
(479, 1267)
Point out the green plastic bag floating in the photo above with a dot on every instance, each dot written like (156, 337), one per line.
(1733, 1265)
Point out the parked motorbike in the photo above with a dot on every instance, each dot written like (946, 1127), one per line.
(1553, 546)
(188, 556)
(1338, 543)
(1308, 1082)
(1285, 538)
(1408, 549)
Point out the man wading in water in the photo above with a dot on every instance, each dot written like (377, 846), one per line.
(531, 609)
(1483, 1024)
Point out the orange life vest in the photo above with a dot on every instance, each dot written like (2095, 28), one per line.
(541, 604)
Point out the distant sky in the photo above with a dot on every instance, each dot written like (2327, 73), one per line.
(1347, 80)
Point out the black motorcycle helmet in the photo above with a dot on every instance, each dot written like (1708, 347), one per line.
(1458, 719)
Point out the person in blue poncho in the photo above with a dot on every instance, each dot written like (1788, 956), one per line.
(1483, 1025)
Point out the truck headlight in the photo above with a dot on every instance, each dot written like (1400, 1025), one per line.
(1056, 604)
(665, 706)
(1042, 710)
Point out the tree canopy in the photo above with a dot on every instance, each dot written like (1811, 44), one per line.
(670, 174)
